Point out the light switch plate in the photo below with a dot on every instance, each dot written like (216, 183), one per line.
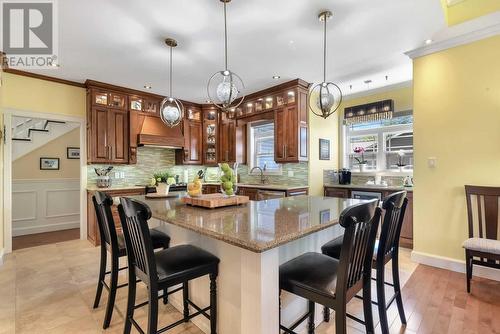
(432, 162)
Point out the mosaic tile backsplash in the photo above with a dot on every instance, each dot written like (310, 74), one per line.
(154, 159)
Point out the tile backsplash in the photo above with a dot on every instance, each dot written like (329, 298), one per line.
(155, 159)
(392, 180)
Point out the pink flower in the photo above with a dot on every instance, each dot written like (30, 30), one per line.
(359, 150)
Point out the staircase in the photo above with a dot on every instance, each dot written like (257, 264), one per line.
(28, 134)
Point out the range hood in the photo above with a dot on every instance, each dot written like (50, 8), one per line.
(151, 131)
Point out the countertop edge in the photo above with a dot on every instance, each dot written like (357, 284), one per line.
(368, 187)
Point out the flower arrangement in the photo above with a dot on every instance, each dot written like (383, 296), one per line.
(401, 154)
(360, 150)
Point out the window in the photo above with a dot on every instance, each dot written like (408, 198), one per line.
(387, 144)
(261, 144)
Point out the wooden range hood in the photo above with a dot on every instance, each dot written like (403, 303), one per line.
(151, 131)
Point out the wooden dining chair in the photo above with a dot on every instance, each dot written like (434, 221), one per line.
(483, 246)
(333, 282)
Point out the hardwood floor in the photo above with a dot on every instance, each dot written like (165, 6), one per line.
(50, 289)
(39, 239)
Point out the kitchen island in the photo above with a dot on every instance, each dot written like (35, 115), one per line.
(251, 240)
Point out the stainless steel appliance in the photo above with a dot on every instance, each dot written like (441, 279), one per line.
(269, 194)
(357, 194)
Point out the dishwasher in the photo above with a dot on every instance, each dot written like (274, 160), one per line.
(366, 195)
(269, 194)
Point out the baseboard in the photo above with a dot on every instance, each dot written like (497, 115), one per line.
(16, 232)
(1, 256)
(454, 265)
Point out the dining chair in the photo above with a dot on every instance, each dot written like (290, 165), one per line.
(386, 249)
(112, 242)
(333, 282)
(483, 246)
(163, 269)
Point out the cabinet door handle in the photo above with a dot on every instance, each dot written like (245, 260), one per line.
(186, 154)
(107, 152)
(111, 154)
(286, 146)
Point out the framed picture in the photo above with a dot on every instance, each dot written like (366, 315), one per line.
(324, 149)
(49, 163)
(324, 216)
(73, 152)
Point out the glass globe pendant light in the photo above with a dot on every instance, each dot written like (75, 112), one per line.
(225, 88)
(171, 109)
(324, 98)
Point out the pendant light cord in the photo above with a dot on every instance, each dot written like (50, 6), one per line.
(170, 72)
(324, 49)
(225, 38)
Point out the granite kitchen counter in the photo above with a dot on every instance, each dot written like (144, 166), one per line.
(114, 188)
(255, 226)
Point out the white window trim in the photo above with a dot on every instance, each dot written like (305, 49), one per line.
(381, 152)
(251, 150)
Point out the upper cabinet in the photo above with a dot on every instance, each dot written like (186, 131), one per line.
(193, 137)
(286, 104)
(210, 135)
(232, 140)
(107, 127)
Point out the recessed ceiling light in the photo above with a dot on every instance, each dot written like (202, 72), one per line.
(147, 87)
(276, 77)
(428, 41)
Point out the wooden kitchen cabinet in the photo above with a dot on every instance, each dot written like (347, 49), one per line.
(336, 192)
(210, 135)
(211, 188)
(232, 140)
(192, 154)
(250, 192)
(92, 227)
(291, 131)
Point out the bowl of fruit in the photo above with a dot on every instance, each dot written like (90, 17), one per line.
(228, 179)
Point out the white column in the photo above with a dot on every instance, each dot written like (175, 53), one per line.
(260, 292)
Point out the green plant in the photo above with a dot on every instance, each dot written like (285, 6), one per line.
(162, 176)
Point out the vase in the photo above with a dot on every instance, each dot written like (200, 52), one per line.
(162, 188)
(362, 168)
(228, 177)
(401, 169)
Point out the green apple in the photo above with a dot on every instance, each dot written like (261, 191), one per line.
(229, 192)
(224, 167)
(224, 178)
(227, 185)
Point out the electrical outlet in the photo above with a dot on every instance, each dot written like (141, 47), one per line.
(290, 173)
(117, 175)
(122, 175)
(432, 162)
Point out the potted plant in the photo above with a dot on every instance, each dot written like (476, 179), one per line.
(361, 160)
(400, 163)
(163, 182)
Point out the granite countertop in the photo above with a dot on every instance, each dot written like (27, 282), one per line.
(283, 187)
(368, 187)
(255, 226)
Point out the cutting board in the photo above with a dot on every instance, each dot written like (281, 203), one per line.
(212, 201)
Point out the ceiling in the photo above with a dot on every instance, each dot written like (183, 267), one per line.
(121, 41)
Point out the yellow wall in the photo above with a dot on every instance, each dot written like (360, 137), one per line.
(29, 94)
(456, 120)
(324, 129)
(468, 10)
(24, 93)
(27, 167)
(1, 158)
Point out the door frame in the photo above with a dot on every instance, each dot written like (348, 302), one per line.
(7, 172)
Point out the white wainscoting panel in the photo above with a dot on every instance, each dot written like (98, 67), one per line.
(45, 205)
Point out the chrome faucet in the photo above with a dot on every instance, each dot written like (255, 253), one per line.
(262, 178)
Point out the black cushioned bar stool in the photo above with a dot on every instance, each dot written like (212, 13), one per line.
(333, 283)
(113, 242)
(386, 249)
(163, 269)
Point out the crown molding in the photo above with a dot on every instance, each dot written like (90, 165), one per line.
(379, 90)
(461, 34)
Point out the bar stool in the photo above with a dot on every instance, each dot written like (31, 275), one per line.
(333, 283)
(114, 243)
(386, 249)
(163, 269)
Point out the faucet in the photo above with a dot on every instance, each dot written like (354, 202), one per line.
(262, 178)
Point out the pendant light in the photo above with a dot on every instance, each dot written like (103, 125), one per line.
(225, 88)
(171, 109)
(325, 97)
